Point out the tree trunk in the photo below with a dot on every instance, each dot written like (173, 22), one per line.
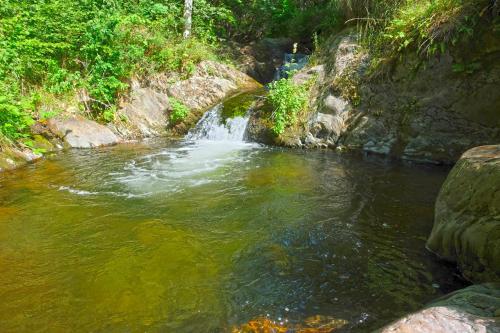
(188, 13)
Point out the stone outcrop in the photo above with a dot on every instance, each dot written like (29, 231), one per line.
(414, 109)
(145, 113)
(467, 217)
(210, 84)
(475, 309)
(78, 132)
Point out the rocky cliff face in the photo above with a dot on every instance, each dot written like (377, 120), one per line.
(467, 217)
(425, 110)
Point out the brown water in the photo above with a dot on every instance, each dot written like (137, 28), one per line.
(177, 237)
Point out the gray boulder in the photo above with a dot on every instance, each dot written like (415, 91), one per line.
(78, 132)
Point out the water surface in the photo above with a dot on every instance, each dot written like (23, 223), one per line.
(206, 236)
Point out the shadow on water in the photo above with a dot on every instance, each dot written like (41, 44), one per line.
(185, 237)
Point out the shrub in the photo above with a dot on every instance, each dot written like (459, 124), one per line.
(179, 111)
(14, 122)
(287, 100)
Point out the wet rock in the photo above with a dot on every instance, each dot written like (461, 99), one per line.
(467, 217)
(259, 125)
(470, 310)
(45, 145)
(12, 158)
(209, 85)
(10, 161)
(145, 115)
(78, 132)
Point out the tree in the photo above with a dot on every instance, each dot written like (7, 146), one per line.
(188, 19)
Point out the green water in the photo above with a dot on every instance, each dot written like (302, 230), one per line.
(172, 237)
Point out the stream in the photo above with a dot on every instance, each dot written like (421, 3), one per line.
(211, 232)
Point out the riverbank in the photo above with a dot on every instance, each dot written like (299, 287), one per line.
(144, 114)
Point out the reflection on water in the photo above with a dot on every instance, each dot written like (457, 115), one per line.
(210, 237)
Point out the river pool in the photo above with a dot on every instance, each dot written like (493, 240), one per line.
(175, 236)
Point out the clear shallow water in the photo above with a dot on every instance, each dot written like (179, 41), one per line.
(176, 237)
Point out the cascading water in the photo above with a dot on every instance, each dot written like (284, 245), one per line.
(212, 127)
(210, 149)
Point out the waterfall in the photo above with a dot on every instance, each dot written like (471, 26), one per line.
(212, 127)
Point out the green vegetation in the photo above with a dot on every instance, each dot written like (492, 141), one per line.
(179, 111)
(14, 123)
(287, 100)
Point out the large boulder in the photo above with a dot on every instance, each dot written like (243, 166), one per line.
(475, 309)
(78, 132)
(467, 218)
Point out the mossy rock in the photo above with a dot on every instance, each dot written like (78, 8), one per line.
(467, 217)
(42, 144)
(11, 159)
(238, 106)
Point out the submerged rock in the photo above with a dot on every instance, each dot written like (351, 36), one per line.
(12, 158)
(78, 132)
(467, 218)
(471, 310)
(314, 324)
